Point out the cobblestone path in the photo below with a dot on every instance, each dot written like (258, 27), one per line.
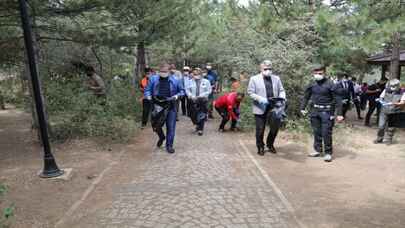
(208, 182)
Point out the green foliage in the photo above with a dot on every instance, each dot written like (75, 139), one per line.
(6, 212)
(75, 112)
(103, 33)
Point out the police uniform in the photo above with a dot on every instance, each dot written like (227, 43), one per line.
(324, 102)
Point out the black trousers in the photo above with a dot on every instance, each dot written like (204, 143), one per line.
(372, 106)
(274, 124)
(223, 112)
(188, 106)
(345, 109)
(322, 126)
(198, 110)
(181, 103)
(357, 104)
(146, 108)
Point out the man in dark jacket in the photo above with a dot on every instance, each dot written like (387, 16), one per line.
(373, 92)
(324, 103)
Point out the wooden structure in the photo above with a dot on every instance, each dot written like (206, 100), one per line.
(384, 60)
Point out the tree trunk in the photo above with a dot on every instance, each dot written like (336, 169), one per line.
(395, 67)
(140, 61)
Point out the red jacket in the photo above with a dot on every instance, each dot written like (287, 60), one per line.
(228, 101)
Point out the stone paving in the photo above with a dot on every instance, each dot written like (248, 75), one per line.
(206, 183)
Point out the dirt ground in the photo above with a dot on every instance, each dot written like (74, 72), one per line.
(363, 186)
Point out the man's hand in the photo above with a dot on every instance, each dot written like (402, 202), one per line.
(173, 98)
(400, 104)
(263, 101)
(340, 119)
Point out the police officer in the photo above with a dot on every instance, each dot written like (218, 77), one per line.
(324, 102)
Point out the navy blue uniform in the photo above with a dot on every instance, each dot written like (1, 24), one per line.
(324, 102)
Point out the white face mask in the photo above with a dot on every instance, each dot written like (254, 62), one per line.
(163, 74)
(209, 67)
(204, 74)
(267, 73)
(318, 77)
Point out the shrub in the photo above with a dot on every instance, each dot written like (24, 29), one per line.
(76, 112)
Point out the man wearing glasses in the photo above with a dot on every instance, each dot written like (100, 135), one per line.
(268, 94)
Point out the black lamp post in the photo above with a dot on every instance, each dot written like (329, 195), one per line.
(50, 167)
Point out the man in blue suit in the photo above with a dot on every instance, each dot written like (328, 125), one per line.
(164, 90)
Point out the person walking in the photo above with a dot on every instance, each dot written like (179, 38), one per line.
(228, 107)
(198, 91)
(146, 104)
(187, 78)
(210, 74)
(325, 104)
(163, 90)
(390, 100)
(345, 90)
(373, 93)
(357, 93)
(267, 92)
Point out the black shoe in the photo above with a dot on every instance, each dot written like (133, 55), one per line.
(367, 125)
(160, 142)
(170, 150)
(272, 149)
(260, 151)
(360, 118)
(378, 141)
(200, 133)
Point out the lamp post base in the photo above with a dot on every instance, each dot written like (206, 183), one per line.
(52, 173)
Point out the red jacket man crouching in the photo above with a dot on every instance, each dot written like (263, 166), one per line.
(228, 108)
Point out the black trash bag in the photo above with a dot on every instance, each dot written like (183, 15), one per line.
(160, 110)
(279, 107)
(396, 120)
(199, 111)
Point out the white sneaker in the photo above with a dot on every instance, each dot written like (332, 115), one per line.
(327, 158)
(314, 154)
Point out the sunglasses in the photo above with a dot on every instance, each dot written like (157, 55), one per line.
(267, 69)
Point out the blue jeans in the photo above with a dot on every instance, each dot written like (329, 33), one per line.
(170, 128)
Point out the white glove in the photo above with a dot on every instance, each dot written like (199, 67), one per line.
(304, 112)
(262, 100)
(148, 98)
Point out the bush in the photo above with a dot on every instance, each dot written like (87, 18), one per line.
(76, 112)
